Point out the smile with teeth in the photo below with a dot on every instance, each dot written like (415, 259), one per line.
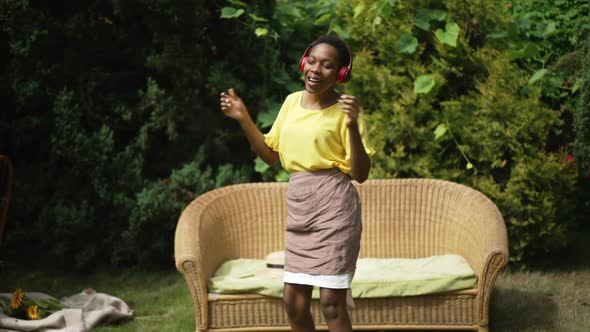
(313, 80)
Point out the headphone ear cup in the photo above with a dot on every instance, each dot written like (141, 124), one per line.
(343, 74)
(302, 62)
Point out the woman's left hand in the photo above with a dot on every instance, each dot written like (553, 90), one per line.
(351, 107)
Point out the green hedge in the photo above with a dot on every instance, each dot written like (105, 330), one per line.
(444, 101)
(106, 105)
(581, 122)
(114, 122)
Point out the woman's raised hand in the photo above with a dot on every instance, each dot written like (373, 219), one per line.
(232, 105)
(351, 107)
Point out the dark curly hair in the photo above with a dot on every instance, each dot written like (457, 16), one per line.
(343, 51)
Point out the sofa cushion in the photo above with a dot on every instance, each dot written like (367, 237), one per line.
(373, 278)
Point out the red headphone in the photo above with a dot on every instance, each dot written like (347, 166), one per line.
(344, 73)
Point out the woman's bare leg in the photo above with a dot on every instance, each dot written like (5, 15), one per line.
(297, 301)
(333, 304)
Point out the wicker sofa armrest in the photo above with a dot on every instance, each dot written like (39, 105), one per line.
(198, 252)
(482, 239)
(478, 231)
(236, 221)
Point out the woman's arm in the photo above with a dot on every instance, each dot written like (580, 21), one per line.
(360, 164)
(233, 107)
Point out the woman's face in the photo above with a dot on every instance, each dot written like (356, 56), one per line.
(321, 69)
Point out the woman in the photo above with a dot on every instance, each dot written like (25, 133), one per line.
(319, 137)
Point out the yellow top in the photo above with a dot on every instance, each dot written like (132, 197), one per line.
(311, 140)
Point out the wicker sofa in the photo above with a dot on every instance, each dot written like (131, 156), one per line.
(407, 218)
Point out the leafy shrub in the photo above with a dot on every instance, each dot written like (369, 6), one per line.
(105, 100)
(103, 128)
(149, 237)
(444, 102)
(581, 121)
(548, 43)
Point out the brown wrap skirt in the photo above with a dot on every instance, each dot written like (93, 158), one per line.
(324, 224)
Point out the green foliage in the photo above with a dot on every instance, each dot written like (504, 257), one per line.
(108, 102)
(460, 108)
(230, 12)
(270, 173)
(81, 222)
(407, 43)
(149, 238)
(105, 100)
(536, 204)
(581, 117)
(449, 35)
(543, 40)
(550, 25)
(423, 84)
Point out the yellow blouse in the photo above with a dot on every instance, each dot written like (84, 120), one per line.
(310, 140)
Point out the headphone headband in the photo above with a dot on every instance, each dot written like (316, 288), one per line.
(344, 73)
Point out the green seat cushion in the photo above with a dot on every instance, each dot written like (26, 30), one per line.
(373, 278)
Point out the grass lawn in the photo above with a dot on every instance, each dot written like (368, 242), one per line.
(160, 299)
(522, 301)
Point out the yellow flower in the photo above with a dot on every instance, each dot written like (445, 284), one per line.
(33, 312)
(17, 298)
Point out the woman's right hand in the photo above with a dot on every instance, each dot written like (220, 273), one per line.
(232, 105)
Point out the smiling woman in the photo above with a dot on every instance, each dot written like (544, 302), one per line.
(320, 139)
(320, 70)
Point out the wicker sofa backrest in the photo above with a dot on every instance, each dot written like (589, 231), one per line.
(414, 218)
(401, 218)
(249, 218)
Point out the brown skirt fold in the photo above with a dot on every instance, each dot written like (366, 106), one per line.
(324, 224)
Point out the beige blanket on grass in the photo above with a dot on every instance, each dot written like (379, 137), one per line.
(85, 311)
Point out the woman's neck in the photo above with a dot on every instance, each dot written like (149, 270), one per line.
(319, 101)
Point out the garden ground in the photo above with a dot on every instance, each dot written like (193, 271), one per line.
(522, 301)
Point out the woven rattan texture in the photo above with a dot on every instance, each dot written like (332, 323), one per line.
(451, 310)
(407, 218)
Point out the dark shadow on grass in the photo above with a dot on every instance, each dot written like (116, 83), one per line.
(516, 310)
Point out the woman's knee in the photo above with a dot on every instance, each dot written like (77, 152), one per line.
(333, 303)
(297, 301)
(295, 310)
